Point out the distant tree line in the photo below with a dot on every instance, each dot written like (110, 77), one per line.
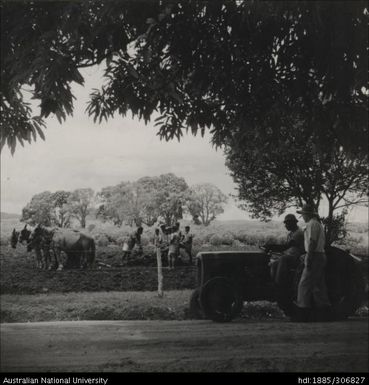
(59, 208)
(164, 198)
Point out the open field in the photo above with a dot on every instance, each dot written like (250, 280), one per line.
(238, 235)
(115, 305)
(19, 275)
(125, 292)
(28, 280)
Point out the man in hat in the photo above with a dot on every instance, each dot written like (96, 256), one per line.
(291, 251)
(186, 244)
(312, 288)
(164, 234)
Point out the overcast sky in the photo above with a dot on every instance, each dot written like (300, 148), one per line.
(79, 154)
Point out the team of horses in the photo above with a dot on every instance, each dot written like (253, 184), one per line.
(49, 245)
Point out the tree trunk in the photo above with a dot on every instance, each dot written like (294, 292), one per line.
(83, 222)
(160, 272)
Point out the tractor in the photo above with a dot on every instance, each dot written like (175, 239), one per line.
(226, 279)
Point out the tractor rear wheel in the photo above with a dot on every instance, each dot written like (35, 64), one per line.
(220, 300)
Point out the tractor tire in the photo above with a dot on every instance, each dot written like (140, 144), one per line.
(345, 285)
(220, 300)
(286, 296)
(195, 310)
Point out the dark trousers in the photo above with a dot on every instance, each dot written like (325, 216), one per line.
(279, 268)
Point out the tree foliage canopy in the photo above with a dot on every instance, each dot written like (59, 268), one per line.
(58, 208)
(291, 170)
(147, 200)
(38, 210)
(163, 198)
(199, 65)
(205, 203)
(80, 204)
(44, 44)
(116, 203)
(48, 209)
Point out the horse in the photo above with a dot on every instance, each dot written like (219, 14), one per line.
(14, 238)
(25, 235)
(40, 243)
(78, 247)
(19, 236)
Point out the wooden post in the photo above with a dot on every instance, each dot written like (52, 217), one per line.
(160, 271)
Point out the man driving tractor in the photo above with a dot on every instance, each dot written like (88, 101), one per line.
(288, 256)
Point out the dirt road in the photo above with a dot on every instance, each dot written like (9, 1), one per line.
(185, 346)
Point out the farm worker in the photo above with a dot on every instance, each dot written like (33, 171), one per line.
(14, 238)
(312, 287)
(186, 244)
(133, 240)
(291, 251)
(173, 251)
(176, 229)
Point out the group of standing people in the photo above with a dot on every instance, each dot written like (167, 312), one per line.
(308, 244)
(172, 241)
(167, 240)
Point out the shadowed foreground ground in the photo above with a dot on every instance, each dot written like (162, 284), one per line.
(185, 346)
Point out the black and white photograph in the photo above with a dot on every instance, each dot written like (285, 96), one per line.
(184, 189)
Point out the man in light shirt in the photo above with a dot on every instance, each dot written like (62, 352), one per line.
(312, 289)
(186, 244)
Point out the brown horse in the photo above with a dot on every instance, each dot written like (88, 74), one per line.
(20, 236)
(27, 236)
(14, 238)
(78, 247)
(38, 242)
